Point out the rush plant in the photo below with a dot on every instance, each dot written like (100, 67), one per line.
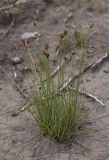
(57, 113)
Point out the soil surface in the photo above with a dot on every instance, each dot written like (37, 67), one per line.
(19, 137)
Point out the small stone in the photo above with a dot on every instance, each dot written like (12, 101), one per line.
(28, 35)
(14, 114)
(16, 60)
(88, 80)
(106, 71)
(26, 69)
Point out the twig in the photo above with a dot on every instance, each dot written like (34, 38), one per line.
(14, 72)
(88, 95)
(100, 61)
(94, 98)
(57, 52)
(6, 32)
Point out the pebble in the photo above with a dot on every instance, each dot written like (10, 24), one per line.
(14, 114)
(16, 60)
(28, 35)
(106, 71)
(88, 80)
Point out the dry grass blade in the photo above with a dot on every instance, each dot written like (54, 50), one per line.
(100, 61)
(94, 98)
(88, 95)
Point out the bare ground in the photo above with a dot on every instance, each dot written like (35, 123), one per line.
(18, 135)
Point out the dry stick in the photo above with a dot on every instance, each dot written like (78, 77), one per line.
(14, 72)
(57, 52)
(100, 61)
(88, 95)
(6, 32)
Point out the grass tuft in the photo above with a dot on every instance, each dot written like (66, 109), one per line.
(58, 115)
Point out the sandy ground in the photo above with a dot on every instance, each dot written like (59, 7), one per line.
(18, 135)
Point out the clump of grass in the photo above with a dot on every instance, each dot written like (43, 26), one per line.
(98, 7)
(58, 115)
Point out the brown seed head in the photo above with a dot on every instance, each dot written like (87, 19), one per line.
(45, 53)
(91, 24)
(73, 53)
(61, 35)
(37, 35)
(34, 23)
(66, 58)
(54, 61)
(46, 46)
(24, 42)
